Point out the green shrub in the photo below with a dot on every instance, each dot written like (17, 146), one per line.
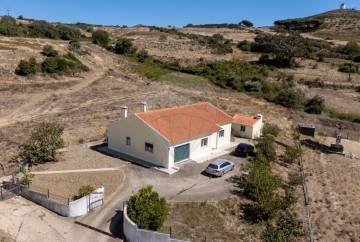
(8, 26)
(26, 68)
(295, 179)
(290, 98)
(244, 45)
(49, 51)
(85, 190)
(246, 23)
(42, 29)
(351, 117)
(124, 46)
(101, 37)
(266, 148)
(42, 144)
(146, 209)
(347, 67)
(74, 46)
(50, 65)
(272, 129)
(286, 228)
(291, 154)
(142, 55)
(65, 32)
(315, 105)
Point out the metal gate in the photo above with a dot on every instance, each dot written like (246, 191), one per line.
(7, 192)
(96, 199)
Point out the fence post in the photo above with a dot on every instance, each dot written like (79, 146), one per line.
(68, 201)
(170, 233)
(1, 191)
(48, 193)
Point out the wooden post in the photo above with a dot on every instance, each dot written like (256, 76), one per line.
(170, 232)
(1, 191)
(68, 201)
(48, 193)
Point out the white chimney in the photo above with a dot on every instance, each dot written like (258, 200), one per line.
(259, 116)
(144, 106)
(124, 111)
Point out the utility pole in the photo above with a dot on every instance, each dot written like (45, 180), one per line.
(8, 11)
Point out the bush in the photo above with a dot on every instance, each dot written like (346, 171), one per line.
(8, 26)
(142, 55)
(244, 45)
(27, 177)
(347, 67)
(101, 37)
(42, 144)
(26, 68)
(272, 129)
(290, 98)
(74, 46)
(286, 228)
(291, 154)
(266, 149)
(295, 179)
(163, 38)
(49, 51)
(146, 209)
(124, 46)
(42, 29)
(50, 65)
(315, 105)
(85, 190)
(68, 33)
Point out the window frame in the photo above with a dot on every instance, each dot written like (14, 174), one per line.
(204, 142)
(222, 133)
(242, 128)
(149, 147)
(128, 141)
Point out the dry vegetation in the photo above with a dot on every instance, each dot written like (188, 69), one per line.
(334, 197)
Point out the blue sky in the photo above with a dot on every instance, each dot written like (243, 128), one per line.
(168, 12)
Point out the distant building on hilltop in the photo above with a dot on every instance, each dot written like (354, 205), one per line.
(343, 6)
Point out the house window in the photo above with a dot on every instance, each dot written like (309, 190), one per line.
(149, 147)
(128, 141)
(242, 128)
(204, 142)
(221, 133)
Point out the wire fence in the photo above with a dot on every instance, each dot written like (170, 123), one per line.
(49, 194)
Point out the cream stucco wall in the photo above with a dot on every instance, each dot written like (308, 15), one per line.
(139, 132)
(196, 150)
(251, 132)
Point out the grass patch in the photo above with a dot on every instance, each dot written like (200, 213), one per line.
(184, 80)
(219, 221)
(351, 117)
(151, 69)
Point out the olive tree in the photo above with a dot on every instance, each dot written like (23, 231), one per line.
(42, 144)
(101, 37)
(146, 209)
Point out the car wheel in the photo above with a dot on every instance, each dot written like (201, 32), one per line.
(232, 168)
(222, 173)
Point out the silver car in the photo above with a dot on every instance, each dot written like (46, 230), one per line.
(219, 167)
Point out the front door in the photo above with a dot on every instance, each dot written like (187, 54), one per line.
(182, 153)
(242, 131)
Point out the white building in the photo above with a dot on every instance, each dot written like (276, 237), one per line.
(247, 126)
(168, 136)
(343, 6)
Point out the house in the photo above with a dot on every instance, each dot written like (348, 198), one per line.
(247, 126)
(167, 136)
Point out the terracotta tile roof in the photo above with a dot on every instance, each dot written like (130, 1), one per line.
(185, 122)
(244, 120)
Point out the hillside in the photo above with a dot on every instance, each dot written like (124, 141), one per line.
(340, 24)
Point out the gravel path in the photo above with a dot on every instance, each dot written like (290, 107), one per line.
(76, 171)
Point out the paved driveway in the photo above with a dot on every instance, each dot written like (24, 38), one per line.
(189, 184)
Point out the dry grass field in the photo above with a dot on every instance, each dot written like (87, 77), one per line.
(333, 184)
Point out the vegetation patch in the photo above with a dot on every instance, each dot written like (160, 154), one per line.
(351, 117)
(184, 80)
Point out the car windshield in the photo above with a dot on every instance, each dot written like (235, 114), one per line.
(213, 166)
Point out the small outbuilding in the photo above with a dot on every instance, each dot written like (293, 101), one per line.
(247, 126)
(167, 136)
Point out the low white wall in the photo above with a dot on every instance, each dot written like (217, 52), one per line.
(41, 199)
(75, 208)
(133, 234)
